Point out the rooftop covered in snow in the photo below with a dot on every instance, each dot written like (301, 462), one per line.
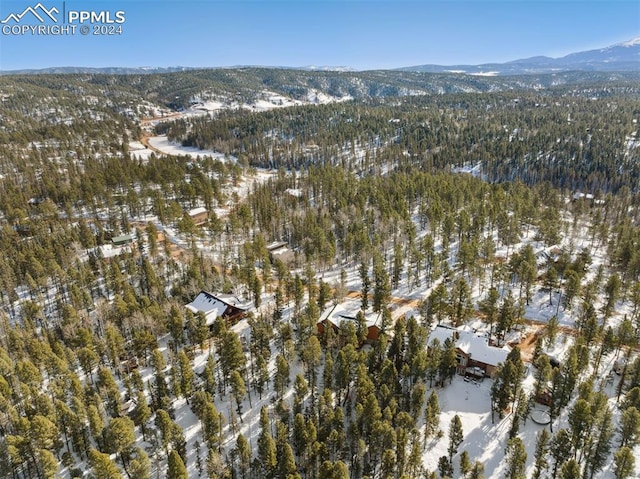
(213, 306)
(347, 311)
(475, 346)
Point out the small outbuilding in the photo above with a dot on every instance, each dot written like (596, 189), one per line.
(122, 240)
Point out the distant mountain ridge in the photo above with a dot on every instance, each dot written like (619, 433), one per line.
(97, 70)
(623, 56)
(152, 70)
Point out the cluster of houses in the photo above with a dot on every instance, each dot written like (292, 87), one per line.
(475, 356)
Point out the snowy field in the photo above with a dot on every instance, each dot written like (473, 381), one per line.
(167, 147)
(137, 149)
(266, 101)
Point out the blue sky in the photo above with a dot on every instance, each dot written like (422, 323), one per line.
(362, 34)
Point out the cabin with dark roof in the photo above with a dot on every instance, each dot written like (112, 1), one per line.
(224, 305)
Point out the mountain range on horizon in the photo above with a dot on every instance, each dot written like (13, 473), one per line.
(624, 56)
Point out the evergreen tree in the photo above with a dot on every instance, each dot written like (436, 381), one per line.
(542, 375)
(175, 467)
(507, 316)
(232, 356)
(366, 285)
(121, 437)
(266, 447)
(286, 467)
(570, 469)
(431, 416)
(552, 331)
(599, 442)
(211, 425)
(187, 376)
(102, 467)
(516, 458)
(630, 427)
(540, 458)
(489, 307)
(434, 357)
(238, 390)
(387, 465)
(520, 413)
(139, 466)
(508, 381)
(477, 471)
(333, 470)
(456, 436)
(571, 288)
(243, 452)
(580, 420)
(560, 449)
(551, 282)
(461, 307)
(141, 413)
(465, 464)
(47, 463)
(623, 463)
(448, 362)
(166, 427)
(612, 292)
(445, 468)
(281, 379)
(381, 286)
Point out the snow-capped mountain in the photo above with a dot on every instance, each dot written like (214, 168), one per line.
(623, 56)
(626, 52)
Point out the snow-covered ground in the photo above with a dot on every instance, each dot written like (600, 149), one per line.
(137, 149)
(266, 100)
(167, 147)
(484, 441)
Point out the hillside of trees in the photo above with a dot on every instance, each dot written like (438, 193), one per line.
(105, 374)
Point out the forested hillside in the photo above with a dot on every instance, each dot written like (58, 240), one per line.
(509, 207)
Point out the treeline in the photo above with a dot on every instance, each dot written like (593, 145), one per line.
(575, 140)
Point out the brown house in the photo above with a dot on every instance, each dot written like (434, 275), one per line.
(198, 215)
(335, 315)
(280, 250)
(475, 356)
(224, 305)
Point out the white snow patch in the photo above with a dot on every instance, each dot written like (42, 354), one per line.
(167, 147)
